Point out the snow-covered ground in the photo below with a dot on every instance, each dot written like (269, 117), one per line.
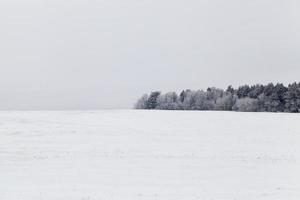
(140, 155)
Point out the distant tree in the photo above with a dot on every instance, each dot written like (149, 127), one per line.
(277, 98)
(168, 101)
(292, 98)
(142, 102)
(152, 100)
(189, 100)
(214, 93)
(243, 91)
(255, 91)
(268, 90)
(202, 101)
(272, 99)
(261, 103)
(264, 98)
(226, 102)
(246, 105)
(230, 90)
(256, 98)
(182, 96)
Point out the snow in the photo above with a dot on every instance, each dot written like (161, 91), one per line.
(141, 155)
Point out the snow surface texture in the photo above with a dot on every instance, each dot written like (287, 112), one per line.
(140, 155)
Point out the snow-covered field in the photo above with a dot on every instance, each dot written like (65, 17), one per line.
(140, 155)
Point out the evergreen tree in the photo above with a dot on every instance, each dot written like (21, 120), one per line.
(255, 91)
(243, 91)
(182, 96)
(255, 98)
(230, 90)
(277, 98)
(292, 98)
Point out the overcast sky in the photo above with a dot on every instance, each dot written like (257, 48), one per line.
(86, 54)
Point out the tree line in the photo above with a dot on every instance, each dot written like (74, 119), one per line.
(255, 98)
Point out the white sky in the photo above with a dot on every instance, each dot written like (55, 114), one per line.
(86, 54)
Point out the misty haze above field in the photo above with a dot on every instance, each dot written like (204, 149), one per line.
(87, 54)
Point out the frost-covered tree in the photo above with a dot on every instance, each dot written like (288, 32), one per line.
(214, 93)
(168, 101)
(203, 101)
(142, 102)
(152, 100)
(189, 100)
(226, 102)
(256, 98)
(245, 105)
